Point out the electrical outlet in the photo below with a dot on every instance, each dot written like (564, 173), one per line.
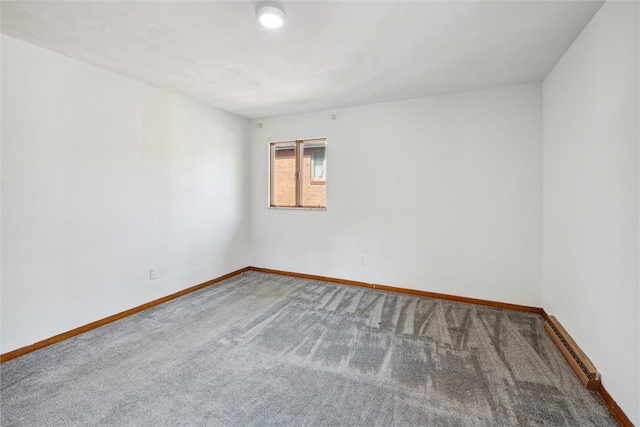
(363, 260)
(153, 273)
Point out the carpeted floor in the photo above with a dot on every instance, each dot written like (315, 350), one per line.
(261, 349)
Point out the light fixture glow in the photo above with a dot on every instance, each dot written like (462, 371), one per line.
(270, 16)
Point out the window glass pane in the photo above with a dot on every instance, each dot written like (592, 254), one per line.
(283, 175)
(314, 174)
(318, 164)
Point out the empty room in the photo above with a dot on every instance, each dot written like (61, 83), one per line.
(320, 213)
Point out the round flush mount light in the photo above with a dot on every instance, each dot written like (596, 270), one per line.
(270, 16)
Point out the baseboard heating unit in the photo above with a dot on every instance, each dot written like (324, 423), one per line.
(580, 363)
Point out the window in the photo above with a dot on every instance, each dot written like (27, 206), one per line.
(298, 174)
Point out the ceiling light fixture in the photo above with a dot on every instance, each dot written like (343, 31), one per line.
(270, 16)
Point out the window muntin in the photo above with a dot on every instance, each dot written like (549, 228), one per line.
(298, 174)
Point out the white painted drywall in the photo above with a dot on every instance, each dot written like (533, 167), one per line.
(440, 194)
(591, 196)
(102, 178)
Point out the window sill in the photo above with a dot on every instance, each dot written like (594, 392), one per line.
(292, 208)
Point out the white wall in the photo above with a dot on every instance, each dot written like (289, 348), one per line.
(441, 194)
(103, 177)
(591, 192)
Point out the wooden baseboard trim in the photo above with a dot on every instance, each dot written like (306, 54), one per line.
(617, 412)
(476, 301)
(93, 325)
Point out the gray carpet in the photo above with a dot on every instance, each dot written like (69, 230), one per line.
(261, 349)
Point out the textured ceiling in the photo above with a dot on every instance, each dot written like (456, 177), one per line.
(328, 54)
